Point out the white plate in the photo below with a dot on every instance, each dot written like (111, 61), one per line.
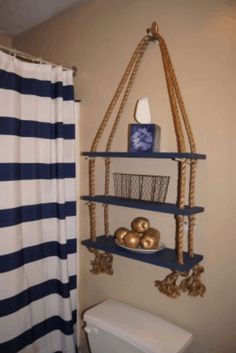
(143, 251)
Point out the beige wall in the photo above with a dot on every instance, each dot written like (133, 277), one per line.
(201, 35)
(5, 40)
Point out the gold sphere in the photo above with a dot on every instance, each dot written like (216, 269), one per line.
(131, 240)
(150, 239)
(140, 224)
(120, 233)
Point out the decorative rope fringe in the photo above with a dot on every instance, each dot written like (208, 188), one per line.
(191, 285)
(102, 263)
(168, 286)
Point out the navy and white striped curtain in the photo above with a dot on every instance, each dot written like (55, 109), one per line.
(37, 208)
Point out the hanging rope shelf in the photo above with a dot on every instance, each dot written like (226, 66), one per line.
(183, 264)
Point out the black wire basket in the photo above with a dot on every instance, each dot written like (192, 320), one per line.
(141, 187)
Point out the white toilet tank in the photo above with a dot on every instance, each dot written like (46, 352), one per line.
(115, 327)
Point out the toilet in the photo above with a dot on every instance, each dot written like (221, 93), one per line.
(115, 327)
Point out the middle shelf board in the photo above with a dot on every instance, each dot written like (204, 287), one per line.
(158, 155)
(165, 258)
(170, 208)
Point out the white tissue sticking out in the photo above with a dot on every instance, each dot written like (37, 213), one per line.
(142, 112)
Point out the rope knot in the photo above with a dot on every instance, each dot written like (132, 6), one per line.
(169, 286)
(153, 32)
(102, 262)
(193, 285)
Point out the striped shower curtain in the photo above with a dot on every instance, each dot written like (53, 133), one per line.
(37, 208)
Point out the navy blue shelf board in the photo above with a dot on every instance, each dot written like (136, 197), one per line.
(161, 155)
(165, 258)
(170, 208)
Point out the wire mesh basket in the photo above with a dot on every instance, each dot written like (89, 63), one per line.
(141, 187)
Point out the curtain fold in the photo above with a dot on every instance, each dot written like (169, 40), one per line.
(37, 208)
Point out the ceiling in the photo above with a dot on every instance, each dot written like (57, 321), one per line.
(17, 16)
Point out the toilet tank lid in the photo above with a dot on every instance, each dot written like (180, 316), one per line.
(145, 331)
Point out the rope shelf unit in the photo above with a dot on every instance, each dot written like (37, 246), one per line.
(182, 264)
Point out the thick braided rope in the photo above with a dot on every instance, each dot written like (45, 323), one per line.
(116, 95)
(106, 207)
(180, 101)
(173, 102)
(92, 207)
(191, 219)
(115, 126)
(182, 165)
(193, 163)
(127, 91)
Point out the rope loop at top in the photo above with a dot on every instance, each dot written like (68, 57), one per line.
(153, 32)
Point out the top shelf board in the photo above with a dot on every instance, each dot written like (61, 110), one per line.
(158, 155)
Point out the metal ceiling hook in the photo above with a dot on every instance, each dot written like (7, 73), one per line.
(153, 32)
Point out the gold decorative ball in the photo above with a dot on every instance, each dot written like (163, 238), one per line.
(150, 239)
(131, 240)
(140, 224)
(120, 233)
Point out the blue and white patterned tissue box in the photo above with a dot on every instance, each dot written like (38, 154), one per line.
(144, 138)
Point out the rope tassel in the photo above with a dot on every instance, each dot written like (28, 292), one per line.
(102, 263)
(168, 285)
(193, 285)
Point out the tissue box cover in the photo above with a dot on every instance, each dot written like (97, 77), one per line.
(144, 138)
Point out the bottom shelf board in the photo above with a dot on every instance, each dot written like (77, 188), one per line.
(164, 258)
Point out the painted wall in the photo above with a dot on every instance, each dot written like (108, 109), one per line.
(201, 35)
(5, 40)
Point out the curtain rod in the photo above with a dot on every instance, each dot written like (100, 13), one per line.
(30, 58)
